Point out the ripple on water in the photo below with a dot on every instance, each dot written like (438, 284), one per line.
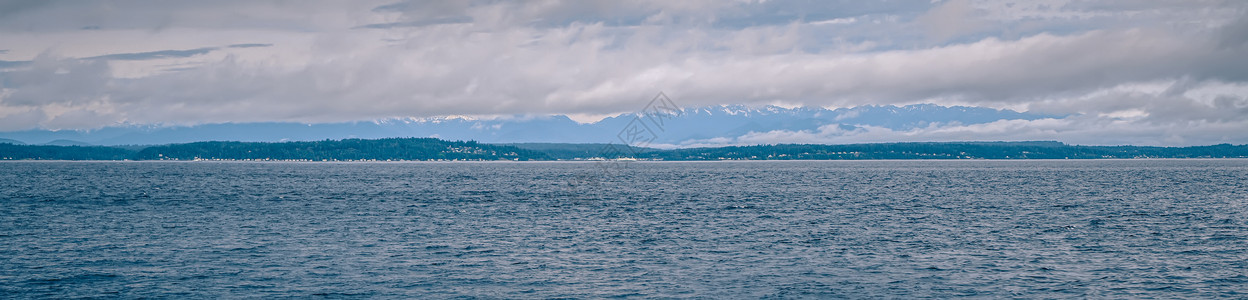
(1118, 229)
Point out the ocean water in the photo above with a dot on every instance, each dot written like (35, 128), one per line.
(805, 229)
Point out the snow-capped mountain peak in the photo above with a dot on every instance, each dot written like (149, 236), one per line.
(691, 123)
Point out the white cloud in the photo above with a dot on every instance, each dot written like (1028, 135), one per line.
(837, 21)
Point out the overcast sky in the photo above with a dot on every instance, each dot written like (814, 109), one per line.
(1126, 71)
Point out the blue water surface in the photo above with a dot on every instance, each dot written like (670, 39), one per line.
(795, 229)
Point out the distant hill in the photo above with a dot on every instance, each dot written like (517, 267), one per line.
(14, 142)
(349, 149)
(48, 152)
(581, 151)
(329, 150)
(67, 143)
(436, 149)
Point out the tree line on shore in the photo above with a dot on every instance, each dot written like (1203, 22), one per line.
(436, 149)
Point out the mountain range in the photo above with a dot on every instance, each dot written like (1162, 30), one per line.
(682, 126)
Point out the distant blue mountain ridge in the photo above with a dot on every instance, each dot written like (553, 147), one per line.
(688, 124)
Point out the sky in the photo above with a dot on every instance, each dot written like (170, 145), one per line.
(1122, 71)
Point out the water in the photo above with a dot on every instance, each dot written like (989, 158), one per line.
(865, 229)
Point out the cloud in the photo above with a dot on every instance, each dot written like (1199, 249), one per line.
(11, 64)
(421, 23)
(1078, 131)
(66, 15)
(1235, 34)
(155, 54)
(989, 72)
(320, 61)
(837, 21)
(1182, 114)
(250, 45)
(950, 19)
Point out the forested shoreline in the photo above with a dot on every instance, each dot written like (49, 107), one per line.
(431, 149)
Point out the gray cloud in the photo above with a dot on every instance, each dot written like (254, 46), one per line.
(1235, 34)
(11, 64)
(1101, 60)
(1078, 130)
(51, 16)
(250, 45)
(420, 23)
(156, 54)
(950, 19)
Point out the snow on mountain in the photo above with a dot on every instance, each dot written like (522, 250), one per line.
(695, 123)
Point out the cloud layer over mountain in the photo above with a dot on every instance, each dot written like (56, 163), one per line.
(1154, 72)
